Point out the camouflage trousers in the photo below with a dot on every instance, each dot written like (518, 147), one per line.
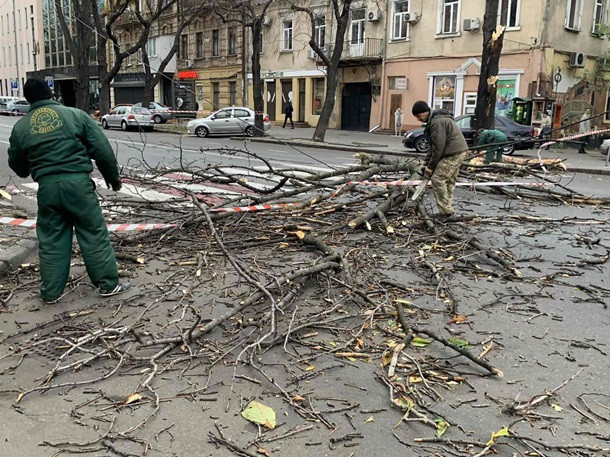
(443, 181)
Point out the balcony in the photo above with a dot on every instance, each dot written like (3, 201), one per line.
(369, 50)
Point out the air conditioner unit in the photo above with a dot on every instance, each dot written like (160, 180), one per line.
(412, 17)
(578, 59)
(311, 54)
(266, 21)
(189, 63)
(472, 24)
(373, 15)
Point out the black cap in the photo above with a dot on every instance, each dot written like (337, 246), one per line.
(36, 89)
(420, 107)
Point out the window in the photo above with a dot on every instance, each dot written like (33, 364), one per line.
(127, 60)
(223, 114)
(400, 26)
(25, 15)
(232, 42)
(449, 15)
(397, 83)
(241, 113)
(215, 95)
(184, 47)
(318, 95)
(444, 93)
(508, 13)
(215, 40)
(573, 14)
(599, 15)
(470, 102)
(357, 26)
(320, 31)
(28, 52)
(151, 47)
(19, 18)
(199, 45)
(287, 36)
(232, 93)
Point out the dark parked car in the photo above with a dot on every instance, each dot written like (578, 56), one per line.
(415, 139)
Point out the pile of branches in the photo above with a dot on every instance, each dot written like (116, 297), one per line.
(236, 286)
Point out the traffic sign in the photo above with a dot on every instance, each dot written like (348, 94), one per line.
(14, 86)
(50, 82)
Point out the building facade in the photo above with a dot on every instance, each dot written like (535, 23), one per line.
(20, 30)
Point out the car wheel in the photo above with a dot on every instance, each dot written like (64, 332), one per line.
(421, 144)
(15, 112)
(249, 131)
(509, 149)
(124, 126)
(157, 119)
(105, 124)
(201, 132)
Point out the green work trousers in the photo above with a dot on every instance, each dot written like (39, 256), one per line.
(67, 203)
(443, 181)
(494, 154)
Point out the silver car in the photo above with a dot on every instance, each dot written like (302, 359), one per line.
(228, 121)
(18, 107)
(128, 117)
(160, 113)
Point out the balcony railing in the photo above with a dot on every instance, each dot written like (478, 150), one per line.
(367, 49)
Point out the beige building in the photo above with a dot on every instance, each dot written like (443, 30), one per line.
(434, 49)
(20, 27)
(292, 71)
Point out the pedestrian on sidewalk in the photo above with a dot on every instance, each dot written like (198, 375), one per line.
(398, 122)
(288, 111)
(491, 138)
(448, 149)
(55, 144)
(584, 127)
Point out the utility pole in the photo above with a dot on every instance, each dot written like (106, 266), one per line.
(16, 51)
(493, 38)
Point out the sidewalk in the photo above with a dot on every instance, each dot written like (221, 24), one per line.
(340, 140)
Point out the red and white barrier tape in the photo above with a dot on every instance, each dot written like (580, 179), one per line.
(242, 209)
(567, 138)
(31, 223)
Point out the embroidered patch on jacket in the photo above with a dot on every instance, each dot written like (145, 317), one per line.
(44, 120)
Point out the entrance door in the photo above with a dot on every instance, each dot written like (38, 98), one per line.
(301, 100)
(286, 93)
(271, 100)
(395, 103)
(356, 107)
(357, 33)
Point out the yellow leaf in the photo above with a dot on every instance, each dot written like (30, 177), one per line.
(140, 260)
(284, 245)
(297, 398)
(404, 403)
(502, 432)
(310, 368)
(404, 302)
(386, 358)
(300, 234)
(391, 344)
(5, 194)
(259, 414)
(133, 398)
(370, 419)
(415, 379)
(332, 343)
(19, 397)
(351, 359)
(556, 407)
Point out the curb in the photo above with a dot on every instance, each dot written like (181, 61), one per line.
(575, 169)
(16, 255)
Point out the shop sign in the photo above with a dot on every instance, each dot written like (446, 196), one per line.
(187, 74)
(401, 84)
(505, 92)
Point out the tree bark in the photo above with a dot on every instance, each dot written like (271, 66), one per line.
(332, 65)
(257, 81)
(493, 38)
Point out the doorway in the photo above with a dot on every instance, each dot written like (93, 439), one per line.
(356, 107)
(301, 100)
(395, 103)
(271, 100)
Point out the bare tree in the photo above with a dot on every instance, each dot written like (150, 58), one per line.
(107, 24)
(250, 17)
(80, 39)
(341, 11)
(187, 12)
(493, 39)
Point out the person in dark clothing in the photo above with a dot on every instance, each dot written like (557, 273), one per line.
(492, 138)
(448, 149)
(288, 111)
(55, 144)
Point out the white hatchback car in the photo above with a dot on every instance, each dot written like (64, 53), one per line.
(604, 149)
(227, 121)
(128, 117)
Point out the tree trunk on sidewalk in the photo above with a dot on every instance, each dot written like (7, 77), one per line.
(493, 38)
(257, 81)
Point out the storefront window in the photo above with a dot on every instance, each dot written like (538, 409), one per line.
(444, 93)
(505, 92)
(318, 95)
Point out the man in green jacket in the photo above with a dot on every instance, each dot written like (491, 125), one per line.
(496, 141)
(448, 149)
(55, 144)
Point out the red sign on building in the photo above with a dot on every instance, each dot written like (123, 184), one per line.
(187, 75)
